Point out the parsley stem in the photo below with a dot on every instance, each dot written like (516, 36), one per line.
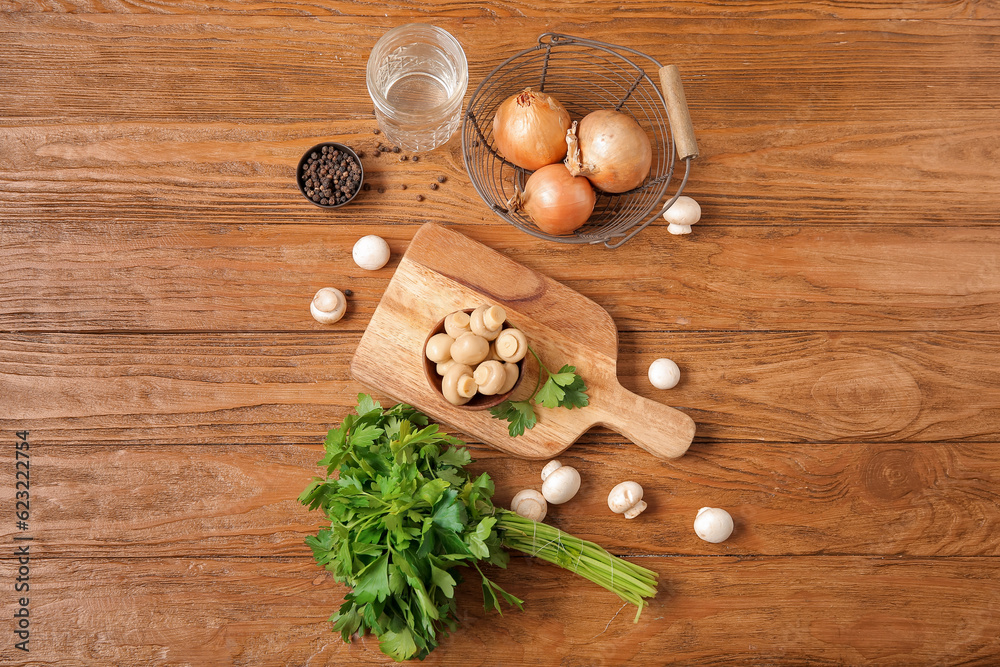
(629, 581)
(542, 366)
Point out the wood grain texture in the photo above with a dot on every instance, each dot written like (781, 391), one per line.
(799, 122)
(435, 9)
(835, 316)
(443, 272)
(198, 276)
(179, 611)
(283, 388)
(886, 500)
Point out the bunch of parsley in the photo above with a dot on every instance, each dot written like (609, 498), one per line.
(564, 389)
(404, 514)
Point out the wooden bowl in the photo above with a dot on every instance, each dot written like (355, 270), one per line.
(479, 401)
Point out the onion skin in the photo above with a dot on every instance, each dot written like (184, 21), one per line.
(610, 149)
(529, 129)
(557, 202)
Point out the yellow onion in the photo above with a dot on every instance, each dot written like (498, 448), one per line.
(529, 129)
(556, 201)
(610, 149)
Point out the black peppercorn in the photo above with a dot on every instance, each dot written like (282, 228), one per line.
(348, 292)
(434, 186)
(395, 149)
(442, 179)
(416, 158)
(330, 176)
(420, 197)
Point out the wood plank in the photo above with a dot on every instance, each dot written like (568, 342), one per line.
(435, 9)
(197, 276)
(798, 122)
(278, 388)
(214, 68)
(176, 611)
(901, 499)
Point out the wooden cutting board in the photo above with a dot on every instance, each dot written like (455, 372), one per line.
(443, 271)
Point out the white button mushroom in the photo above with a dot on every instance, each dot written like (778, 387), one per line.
(457, 323)
(511, 345)
(626, 498)
(487, 321)
(490, 376)
(511, 372)
(530, 504)
(371, 252)
(458, 385)
(664, 374)
(559, 483)
(470, 349)
(681, 215)
(713, 524)
(438, 348)
(328, 306)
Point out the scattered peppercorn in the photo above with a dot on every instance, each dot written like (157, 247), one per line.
(434, 186)
(366, 187)
(376, 131)
(330, 176)
(348, 292)
(420, 197)
(416, 158)
(395, 149)
(381, 190)
(402, 158)
(442, 179)
(402, 187)
(361, 154)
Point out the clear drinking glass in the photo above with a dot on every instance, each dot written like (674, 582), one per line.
(417, 76)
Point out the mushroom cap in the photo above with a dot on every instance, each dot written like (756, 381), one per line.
(443, 367)
(371, 252)
(624, 496)
(713, 524)
(685, 211)
(550, 467)
(561, 485)
(511, 345)
(450, 384)
(530, 504)
(438, 348)
(490, 376)
(511, 373)
(664, 374)
(470, 349)
(457, 323)
(328, 305)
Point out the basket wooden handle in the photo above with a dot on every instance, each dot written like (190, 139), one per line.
(677, 109)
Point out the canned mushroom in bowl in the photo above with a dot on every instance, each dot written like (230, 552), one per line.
(474, 358)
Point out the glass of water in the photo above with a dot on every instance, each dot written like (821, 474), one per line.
(417, 76)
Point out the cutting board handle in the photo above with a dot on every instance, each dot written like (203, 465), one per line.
(661, 430)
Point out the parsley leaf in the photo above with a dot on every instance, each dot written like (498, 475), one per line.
(520, 414)
(562, 389)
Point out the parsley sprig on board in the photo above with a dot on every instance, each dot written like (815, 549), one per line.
(405, 514)
(563, 389)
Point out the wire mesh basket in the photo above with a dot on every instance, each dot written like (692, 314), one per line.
(584, 75)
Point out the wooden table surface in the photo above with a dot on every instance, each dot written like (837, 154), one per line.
(835, 314)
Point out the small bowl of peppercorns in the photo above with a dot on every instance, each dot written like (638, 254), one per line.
(330, 174)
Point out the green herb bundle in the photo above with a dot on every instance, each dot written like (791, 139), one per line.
(404, 514)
